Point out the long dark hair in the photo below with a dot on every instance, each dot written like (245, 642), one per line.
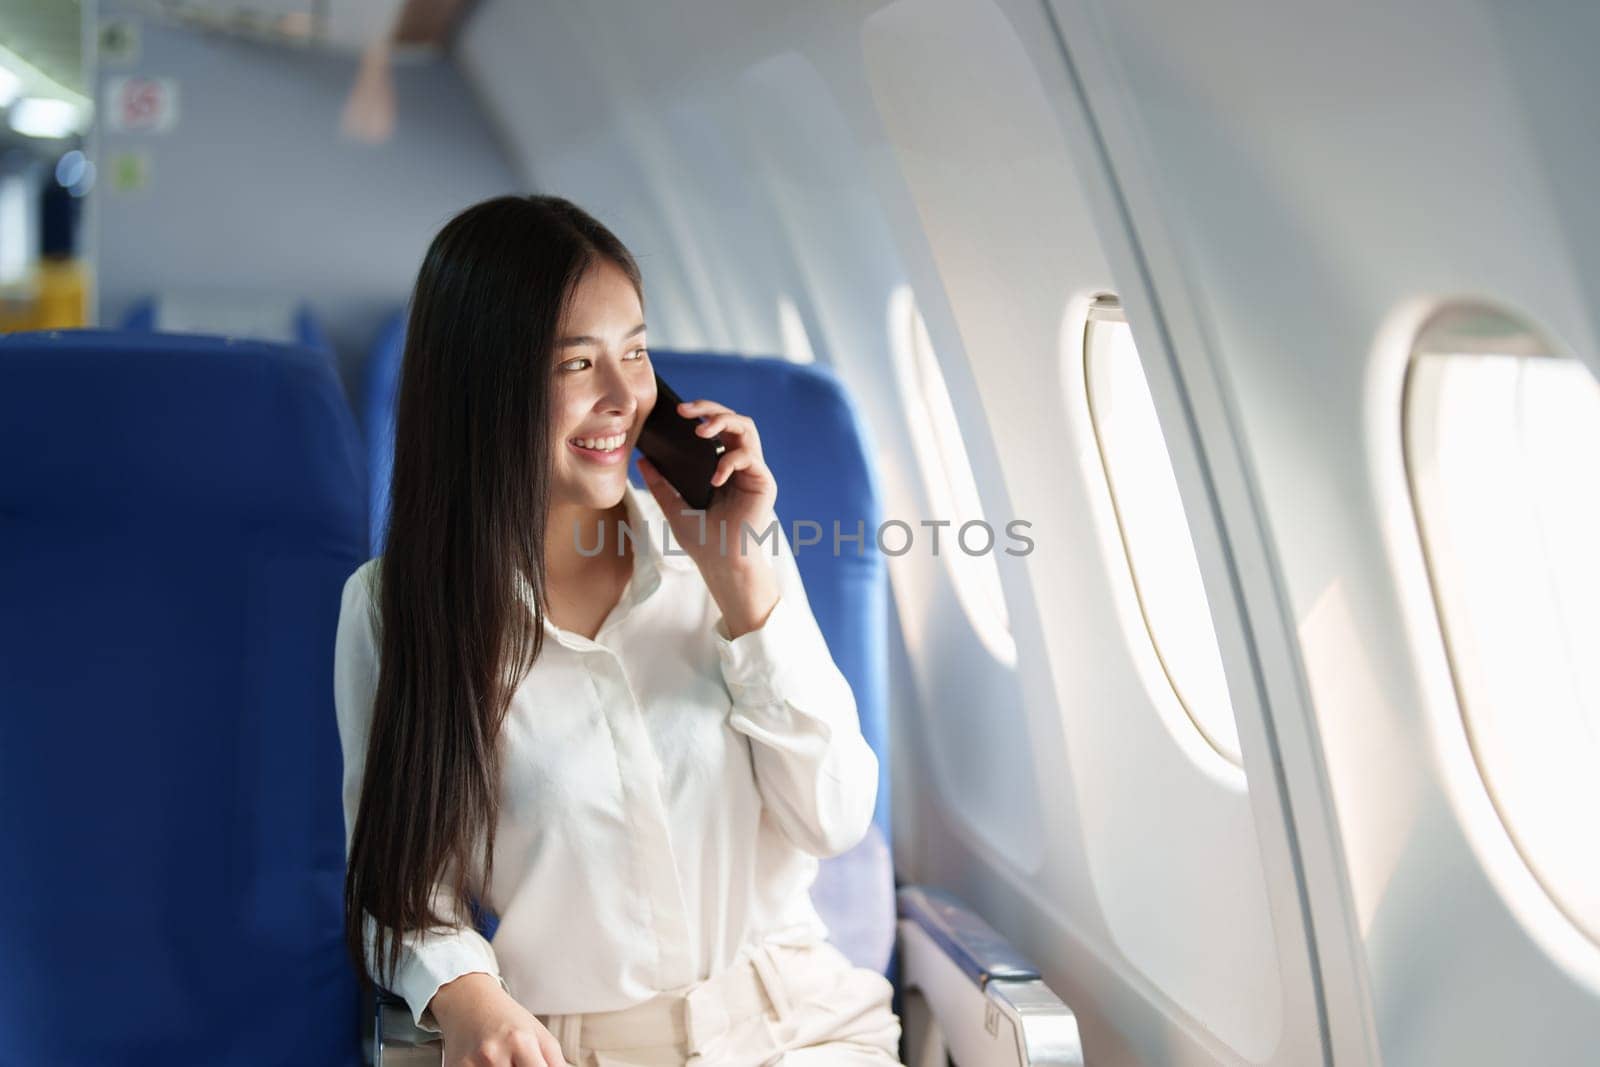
(468, 505)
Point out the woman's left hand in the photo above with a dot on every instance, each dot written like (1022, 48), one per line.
(737, 568)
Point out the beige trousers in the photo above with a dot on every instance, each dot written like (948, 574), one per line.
(776, 1004)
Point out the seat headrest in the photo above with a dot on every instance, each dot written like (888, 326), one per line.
(130, 423)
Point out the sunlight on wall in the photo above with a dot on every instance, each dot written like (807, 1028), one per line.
(796, 341)
(947, 473)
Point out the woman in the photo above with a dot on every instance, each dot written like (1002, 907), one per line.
(633, 756)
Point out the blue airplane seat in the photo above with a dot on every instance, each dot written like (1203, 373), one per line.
(820, 453)
(177, 519)
(230, 315)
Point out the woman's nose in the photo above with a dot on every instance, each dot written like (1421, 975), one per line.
(617, 394)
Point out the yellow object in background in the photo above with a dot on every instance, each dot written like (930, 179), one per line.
(18, 308)
(60, 299)
(63, 294)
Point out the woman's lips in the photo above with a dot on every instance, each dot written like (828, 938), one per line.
(603, 459)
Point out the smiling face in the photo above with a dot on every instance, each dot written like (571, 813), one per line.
(602, 390)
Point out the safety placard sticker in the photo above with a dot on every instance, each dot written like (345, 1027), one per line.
(130, 171)
(141, 105)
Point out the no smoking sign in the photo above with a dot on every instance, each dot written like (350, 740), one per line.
(141, 105)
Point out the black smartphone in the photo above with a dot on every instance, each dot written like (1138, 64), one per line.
(683, 457)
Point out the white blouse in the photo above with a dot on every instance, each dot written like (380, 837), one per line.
(665, 792)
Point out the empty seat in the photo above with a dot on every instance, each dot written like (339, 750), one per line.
(177, 518)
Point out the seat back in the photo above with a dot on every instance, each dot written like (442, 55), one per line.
(819, 452)
(380, 381)
(177, 518)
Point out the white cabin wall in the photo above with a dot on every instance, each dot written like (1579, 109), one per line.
(1304, 183)
(1155, 859)
(576, 132)
(256, 162)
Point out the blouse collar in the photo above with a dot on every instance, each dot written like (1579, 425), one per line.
(655, 549)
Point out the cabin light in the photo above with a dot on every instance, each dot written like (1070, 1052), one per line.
(70, 168)
(81, 187)
(75, 173)
(36, 116)
(10, 86)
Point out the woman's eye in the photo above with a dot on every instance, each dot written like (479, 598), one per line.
(584, 363)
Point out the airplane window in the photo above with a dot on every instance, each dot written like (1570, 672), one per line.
(1502, 438)
(947, 473)
(796, 342)
(1154, 529)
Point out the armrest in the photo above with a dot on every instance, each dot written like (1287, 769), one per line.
(973, 997)
(396, 1041)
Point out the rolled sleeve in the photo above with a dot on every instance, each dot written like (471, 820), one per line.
(816, 773)
(429, 961)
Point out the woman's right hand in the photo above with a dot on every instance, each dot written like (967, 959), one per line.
(484, 1027)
